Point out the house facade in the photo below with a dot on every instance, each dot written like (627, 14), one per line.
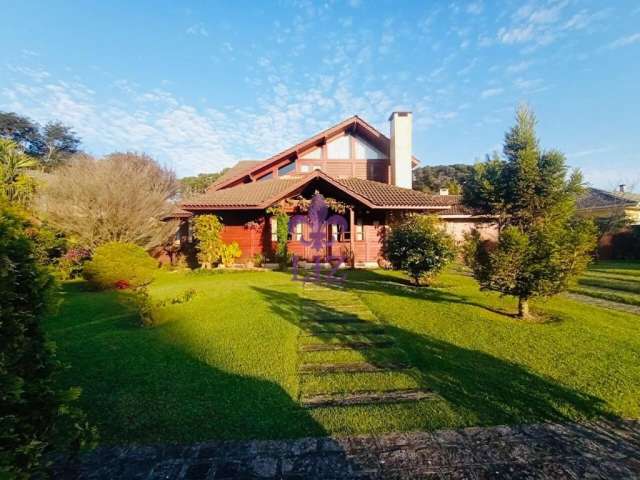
(365, 176)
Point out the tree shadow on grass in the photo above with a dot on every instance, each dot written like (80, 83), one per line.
(482, 389)
(372, 281)
(149, 385)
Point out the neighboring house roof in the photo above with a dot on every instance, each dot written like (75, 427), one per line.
(265, 193)
(354, 123)
(632, 197)
(457, 208)
(594, 198)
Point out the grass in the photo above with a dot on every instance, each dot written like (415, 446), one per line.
(617, 281)
(224, 365)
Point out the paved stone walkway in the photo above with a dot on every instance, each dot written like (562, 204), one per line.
(601, 302)
(598, 450)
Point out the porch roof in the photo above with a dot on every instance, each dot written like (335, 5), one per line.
(263, 194)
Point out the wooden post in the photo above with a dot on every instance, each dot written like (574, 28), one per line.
(352, 233)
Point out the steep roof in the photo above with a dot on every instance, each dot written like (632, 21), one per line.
(263, 194)
(355, 123)
(594, 198)
(243, 166)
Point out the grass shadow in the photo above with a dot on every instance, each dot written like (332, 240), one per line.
(479, 387)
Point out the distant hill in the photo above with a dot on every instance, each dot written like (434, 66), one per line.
(432, 178)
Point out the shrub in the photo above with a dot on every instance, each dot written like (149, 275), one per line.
(228, 253)
(208, 232)
(115, 263)
(184, 297)
(34, 415)
(258, 260)
(420, 247)
(71, 264)
(282, 255)
(142, 301)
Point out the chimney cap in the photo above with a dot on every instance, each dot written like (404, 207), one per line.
(400, 114)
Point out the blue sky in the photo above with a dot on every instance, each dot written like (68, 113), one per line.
(199, 85)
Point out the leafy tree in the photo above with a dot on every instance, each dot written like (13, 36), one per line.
(59, 142)
(34, 415)
(122, 197)
(432, 178)
(208, 232)
(199, 183)
(16, 186)
(51, 144)
(420, 247)
(542, 243)
(22, 131)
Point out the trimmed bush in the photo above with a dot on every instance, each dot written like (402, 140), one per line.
(119, 265)
(35, 417)
(420, 247)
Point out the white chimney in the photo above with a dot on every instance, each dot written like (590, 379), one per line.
(401, 151)
(444, 191)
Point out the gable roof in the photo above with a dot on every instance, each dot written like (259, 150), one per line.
(354, 123)
(241, 167)
(258, 195)
(595, 198)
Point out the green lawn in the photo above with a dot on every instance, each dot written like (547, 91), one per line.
(618, 281)
(225, 365)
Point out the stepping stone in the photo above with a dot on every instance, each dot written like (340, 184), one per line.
(319, 368)
(336, 319)
(323, 347)
(364, 398)
(347, 331)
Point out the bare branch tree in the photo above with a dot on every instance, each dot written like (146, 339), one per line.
(122, 197)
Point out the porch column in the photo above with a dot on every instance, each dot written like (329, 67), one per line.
(352, 228)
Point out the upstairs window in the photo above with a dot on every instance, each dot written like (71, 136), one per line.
(286, 169)
(340, 148)
(365, 151)
(266, 177)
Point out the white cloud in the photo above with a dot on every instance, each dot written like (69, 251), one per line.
(516, 34)
(36, 74)
(588, 152)
(530, 85)
(625, 41)
(475, 8)
(197, 29)
(491, 92)
(519, 67)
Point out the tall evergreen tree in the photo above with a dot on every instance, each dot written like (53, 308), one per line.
(532, 195)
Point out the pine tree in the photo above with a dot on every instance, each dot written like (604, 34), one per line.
(530, 192)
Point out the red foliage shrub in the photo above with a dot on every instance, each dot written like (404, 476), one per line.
(122, 285)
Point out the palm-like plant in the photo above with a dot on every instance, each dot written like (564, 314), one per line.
(15, 185)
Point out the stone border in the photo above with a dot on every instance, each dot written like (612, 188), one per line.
(601, 449)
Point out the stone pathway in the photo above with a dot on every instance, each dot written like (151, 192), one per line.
(598, 450)
(344, 356)
(601, 302)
